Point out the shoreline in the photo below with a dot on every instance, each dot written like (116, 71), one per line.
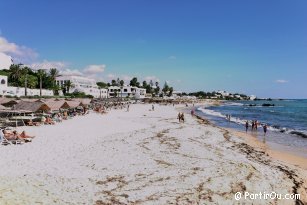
(275, 150)
(284, 156)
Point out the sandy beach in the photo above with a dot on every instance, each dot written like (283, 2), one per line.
(143, 157)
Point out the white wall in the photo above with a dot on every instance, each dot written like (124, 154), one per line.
(87, 86)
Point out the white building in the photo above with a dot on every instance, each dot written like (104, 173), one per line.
(223, 93)
(252, 97)
(82, 84)
(20, 91)
(127, 91)
(177, 94)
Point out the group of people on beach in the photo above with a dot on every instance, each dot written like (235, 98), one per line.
(10, 136)
(254, 126)
(51, 119)
(104, 107)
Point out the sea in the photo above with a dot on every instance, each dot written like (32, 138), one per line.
(286, 120)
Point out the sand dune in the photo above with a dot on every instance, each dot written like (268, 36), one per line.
(140, 157)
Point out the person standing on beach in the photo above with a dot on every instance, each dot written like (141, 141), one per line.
(265, 129)
(246, 126)
(128, 106)
(153, 108)
(182, 117)
(179, 117)
(228, 117)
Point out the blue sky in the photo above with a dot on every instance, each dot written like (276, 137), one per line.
(255, 47)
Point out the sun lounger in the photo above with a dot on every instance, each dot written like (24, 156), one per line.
(5, 141)
(15, 142)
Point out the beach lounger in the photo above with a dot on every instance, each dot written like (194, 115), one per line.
(9, 142)
(5, 141)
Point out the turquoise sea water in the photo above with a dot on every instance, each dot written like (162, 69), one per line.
(287, 119)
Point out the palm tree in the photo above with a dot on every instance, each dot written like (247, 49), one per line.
(24, 72)
(15, 73)
(41, 73)
(53, 73)
(68, 85)
(56, 89)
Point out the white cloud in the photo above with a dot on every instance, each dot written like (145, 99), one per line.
(71, 72)
(20, 54)
(46, 65)
(172, 57)
(27, 56)
(5, 61)
(281, 81)
(111, 76)
(89, 71)
(94, 69)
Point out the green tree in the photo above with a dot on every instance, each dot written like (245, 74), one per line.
(5, 72)
(113, 83)
(31, 81)
(68, 85)
(53, 74)
(134, 82)
(157, 89)
(15, 74)
(144, 84)
(170, 93)
(63, 88)
(23, 79)
(41, 73)
(165, 88)
(121, 82)
(102, 84)
(56, 89)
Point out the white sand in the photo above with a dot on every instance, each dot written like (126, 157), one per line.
(138, 157)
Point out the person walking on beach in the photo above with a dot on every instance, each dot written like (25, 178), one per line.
(182, 117)
(179, 117)
(128, 106)
(265, 129)
(253, 125)
(153, 108)
(246, 126)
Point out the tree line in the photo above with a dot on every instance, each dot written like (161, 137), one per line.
(151, 87)
(23, 76)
